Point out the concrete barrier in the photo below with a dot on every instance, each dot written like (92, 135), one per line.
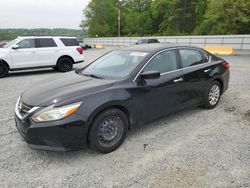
(237, 42)
(221, 50)
(98, 46)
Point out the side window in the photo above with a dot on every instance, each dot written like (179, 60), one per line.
(206, 57)
(69, 42)
(26, 43)
(163, 62)
(190, 57)
(45, 43)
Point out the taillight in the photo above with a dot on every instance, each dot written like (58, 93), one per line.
(226, 65)
(80, 50)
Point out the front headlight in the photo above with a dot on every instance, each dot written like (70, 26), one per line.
(51, 114)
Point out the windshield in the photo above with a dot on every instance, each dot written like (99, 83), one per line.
(10, 43)
(116, 64)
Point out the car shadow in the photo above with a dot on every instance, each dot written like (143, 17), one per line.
(135, 132)
(164, 120)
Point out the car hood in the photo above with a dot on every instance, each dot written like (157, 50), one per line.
(60, 91)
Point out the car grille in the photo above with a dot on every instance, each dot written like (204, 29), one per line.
(24, 108)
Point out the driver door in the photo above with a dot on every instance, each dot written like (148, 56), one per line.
(158, 97)
(26, 55)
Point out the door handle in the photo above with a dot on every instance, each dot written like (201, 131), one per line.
(207, 70)
(33, 52)
(178, 80)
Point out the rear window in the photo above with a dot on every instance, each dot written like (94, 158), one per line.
(45, 43)
(69, 42)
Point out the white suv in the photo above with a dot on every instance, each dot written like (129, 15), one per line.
(22, 53)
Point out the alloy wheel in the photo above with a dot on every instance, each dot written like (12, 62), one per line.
(214, 94)
(66, 66)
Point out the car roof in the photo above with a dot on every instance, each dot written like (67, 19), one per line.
(25, 37)
(152, 47)
(149, 39)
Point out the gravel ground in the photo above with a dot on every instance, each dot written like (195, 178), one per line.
(192, 148)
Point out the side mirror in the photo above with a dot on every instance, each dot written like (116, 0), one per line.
(150, 75)
(77, 71)
(15, 47)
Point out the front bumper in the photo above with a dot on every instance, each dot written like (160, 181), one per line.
(62, 135)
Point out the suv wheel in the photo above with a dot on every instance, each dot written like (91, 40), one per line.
(65, 64)
(3, 70)
(108, 130)
(213, 95)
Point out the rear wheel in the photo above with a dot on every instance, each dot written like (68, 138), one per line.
(108, 130)
(4, 70)
(213, 95)
(65, 64)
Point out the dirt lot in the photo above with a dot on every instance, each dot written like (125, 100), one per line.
(193, 148)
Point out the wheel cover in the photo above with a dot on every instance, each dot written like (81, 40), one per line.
(214, 94)
(110, 131)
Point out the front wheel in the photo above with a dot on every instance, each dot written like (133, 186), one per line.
(213, 95)
(108, 130)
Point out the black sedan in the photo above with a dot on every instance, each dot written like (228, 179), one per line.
(96, 106)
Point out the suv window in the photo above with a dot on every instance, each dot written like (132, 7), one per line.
(163, 62)
(45, 43)
(69, 42)
(190, 57)
(26, 43)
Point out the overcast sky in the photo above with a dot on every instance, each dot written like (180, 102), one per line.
(41, 13)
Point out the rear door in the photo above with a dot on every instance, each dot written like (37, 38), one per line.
(47, 51)
(196, 71)
(26, 55)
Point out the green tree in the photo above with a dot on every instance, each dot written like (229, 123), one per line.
(101, 17)
(226, 17)
(10, 34)
(175, 17)
(167, 17)
(138, 17)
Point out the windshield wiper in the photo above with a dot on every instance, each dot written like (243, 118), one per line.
(93, 76)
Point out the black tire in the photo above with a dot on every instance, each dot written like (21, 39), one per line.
(108, 131)
(55, 68)
(65, 64)
(209, 102)
(4, 70)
